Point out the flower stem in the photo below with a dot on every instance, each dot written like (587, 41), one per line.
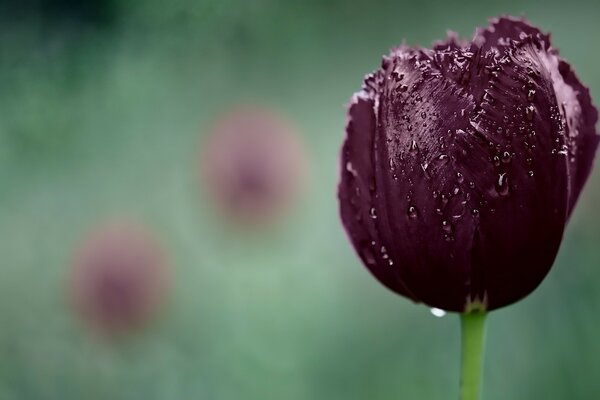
(473, 334)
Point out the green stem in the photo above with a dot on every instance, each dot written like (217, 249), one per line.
(473, 334)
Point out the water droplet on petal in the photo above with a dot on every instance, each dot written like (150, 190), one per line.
(413, 147)
(502, 184)
(460, 177)
(506, 157)
(530, 94)
(412, 212)
(437, 312)
(373, 213)
(529, 112)
(350, 168)
(446, 226)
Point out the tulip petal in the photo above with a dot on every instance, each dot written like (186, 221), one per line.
(504, 31)
(355, 192)
(580, 116)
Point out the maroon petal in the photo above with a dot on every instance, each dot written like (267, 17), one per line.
(580, 117)
(356, 189)
(504, 31)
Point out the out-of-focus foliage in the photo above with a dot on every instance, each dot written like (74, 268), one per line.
(103, 107)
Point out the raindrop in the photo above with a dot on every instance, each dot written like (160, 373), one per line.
(530, 173)
(502, 184)
(437, 312)
(350, 168)
(373, 213)
(475, 211)
(460, 177)
(413, 147)
(472, 185)
(506, 157)
(446, 226)
(384, 253)
(403, 88)
(496, 160)
(368, 256)
(530, 94)
(412, 212)
(529, 112)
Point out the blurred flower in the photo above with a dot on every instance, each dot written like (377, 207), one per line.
(253, 165)
(119, 277)
(462, 165)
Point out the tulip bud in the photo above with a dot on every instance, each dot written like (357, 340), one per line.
(119, 278)
(462, 165)
(253, 165)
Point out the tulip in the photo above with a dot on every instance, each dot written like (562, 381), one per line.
(461, 167)
(253, 165)
(119, 278)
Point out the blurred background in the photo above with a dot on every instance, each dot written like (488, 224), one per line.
(104, 109)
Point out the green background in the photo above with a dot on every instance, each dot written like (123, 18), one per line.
(102, 111)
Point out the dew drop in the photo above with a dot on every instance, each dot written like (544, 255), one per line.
(413, 147)
(460, 177)
(496, 160)
(530, 173)
(412, 212)
(368, 256)
(475, 211)
(529, 112)
(373, 213)
(502, 184)
(530, 94)
(384, 253)
(446, 226)
(506, 157)
(350, 168)
(403, 88)
(438, 312)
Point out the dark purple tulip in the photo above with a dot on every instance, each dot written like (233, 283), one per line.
(253, 164)
(119, 278)
(462, 165)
